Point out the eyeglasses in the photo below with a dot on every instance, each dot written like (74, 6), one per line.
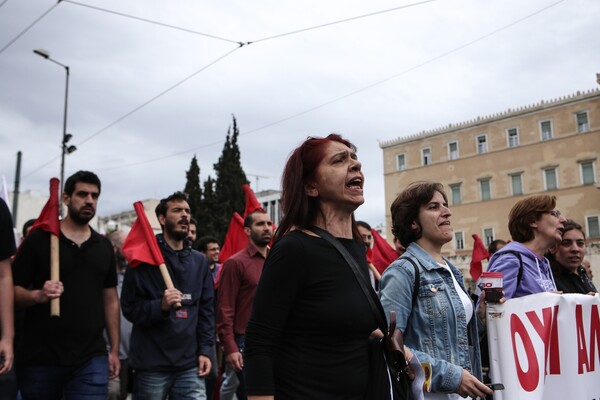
(555, 213)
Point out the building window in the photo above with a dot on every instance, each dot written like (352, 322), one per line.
(426, 156)
(583, 124)
(453, 150)
(488, 235)
(485, 189)
(513, 137)
(459, 240)
(546, 130)
(516, 182)
(456, 195)
(482, 144)
(587, 172)
(593, 226)
(550, 180)
(401, 161)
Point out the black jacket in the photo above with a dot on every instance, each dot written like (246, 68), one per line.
(173, 340)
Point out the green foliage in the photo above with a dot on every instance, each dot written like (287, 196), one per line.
(214, 205)
(192, 187)
(230, 178)
(207, 217)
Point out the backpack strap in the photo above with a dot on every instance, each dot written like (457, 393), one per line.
(520, 257)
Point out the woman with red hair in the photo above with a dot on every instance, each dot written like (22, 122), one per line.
(308, 334)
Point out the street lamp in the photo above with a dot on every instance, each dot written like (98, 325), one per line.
(65, 136)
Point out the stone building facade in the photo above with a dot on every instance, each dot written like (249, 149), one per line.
(489, 163)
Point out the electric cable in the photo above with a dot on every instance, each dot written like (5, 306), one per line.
(152, 22)
(6, 46)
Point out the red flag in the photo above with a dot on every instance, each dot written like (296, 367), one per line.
(382, 253)
(252, 203)
(141, 246)
(235, 239)
(479, 253)
(48, 219)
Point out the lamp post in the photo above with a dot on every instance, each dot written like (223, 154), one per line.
(65, 136)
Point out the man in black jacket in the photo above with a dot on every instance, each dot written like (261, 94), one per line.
(170, 347)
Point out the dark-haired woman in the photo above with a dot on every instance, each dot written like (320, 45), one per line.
(308, 334)
(439, 323)
(566, 260)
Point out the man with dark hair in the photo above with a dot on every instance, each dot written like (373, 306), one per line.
(209, 246)
(237, 286)
(67, 356)
(8, 385)
(496, 245)
(171, 347)
(193, 230)
(27, 227)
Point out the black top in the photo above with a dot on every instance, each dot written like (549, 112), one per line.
(7, 235)
(75, 336)
(570, 282)
(308, 334)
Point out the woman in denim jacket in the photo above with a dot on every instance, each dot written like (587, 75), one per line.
(440, 327)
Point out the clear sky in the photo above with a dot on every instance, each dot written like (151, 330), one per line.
(153, 83)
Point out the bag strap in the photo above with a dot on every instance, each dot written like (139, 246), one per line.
(417, 283)
(367, 289)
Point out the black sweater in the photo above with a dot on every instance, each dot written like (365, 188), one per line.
(308, 334)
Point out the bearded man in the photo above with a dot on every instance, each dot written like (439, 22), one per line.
(66, 356)
(171, 346)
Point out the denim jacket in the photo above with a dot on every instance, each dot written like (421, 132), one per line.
(436, 329)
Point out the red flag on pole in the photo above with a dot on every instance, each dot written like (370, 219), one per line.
(480, 253)
(383, 254)
(141, 246)
(48, 220)
(235, 239)
(252, 203)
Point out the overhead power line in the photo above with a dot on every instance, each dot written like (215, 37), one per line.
(354, 92)
(3, 3)
(6, 46)
(121, 118)
(340, 21)
(156, 97)
(153, 22)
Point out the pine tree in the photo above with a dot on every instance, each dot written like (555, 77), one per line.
(192, 187)
(229, 195)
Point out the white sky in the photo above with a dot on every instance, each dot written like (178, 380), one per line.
(438, 62)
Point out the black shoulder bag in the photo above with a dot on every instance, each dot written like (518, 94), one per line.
(388, 378)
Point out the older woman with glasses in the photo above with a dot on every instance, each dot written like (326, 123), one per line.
(536, 226)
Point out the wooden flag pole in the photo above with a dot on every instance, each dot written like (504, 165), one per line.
(54, 274)
(168, 282)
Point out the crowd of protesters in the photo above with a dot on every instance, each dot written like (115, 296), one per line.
(289, 322)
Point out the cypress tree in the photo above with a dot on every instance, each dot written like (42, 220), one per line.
(207, 215)
(229, 195)
(192, 187)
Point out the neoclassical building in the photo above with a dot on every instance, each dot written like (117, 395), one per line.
(489, 163)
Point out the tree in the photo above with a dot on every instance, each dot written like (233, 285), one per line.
(229, 195)
(192, 188)
(207, 214)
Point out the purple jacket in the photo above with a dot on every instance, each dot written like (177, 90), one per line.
(536, 276)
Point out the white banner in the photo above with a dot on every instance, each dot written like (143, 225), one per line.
(546, 347)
